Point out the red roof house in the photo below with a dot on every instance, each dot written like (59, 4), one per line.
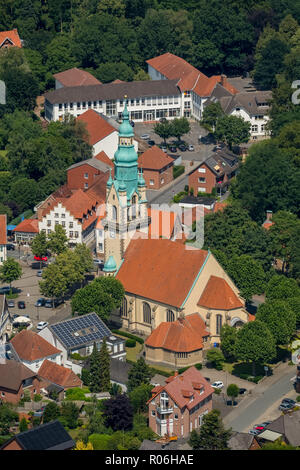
(75, 77)
(10, 39)
(59, 375)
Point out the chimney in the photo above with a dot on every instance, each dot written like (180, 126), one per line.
(269, 216)
(223, 80)
(176, 373)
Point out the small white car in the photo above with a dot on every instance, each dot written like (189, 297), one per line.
(145, 136)
(191, 148)
(217, 384)
(42, 325)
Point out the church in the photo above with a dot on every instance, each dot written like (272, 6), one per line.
(164, 281)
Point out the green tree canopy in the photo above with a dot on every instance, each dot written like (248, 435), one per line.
(163, 130)
(140, 373)
(215, 357)
(232, 130)
(232, 391)
(280, 319)
(180, 127)
(118, 413)
(211, 114)
(228, 340)
(139, 397)
(212, 434)
(104, 361)
(51, 413)
(10, 271)
(57, 240)
(248, 275)
(95, 371)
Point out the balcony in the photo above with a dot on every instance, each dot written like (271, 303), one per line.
(164, 410)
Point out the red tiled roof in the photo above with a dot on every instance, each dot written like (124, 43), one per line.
(97, 127)
(118, 81)
(161, 270)
(154, 159)
(104, 158)
(76, 77)
(30, 346)
(12, 35)
(79, 203)
(181, 388)
(218, 295)
(3, 232)
(184, 335)
(162, 223)
(267, 225)
(28, 226)
(59, 375)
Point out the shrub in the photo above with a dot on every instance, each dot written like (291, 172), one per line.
(128, 335)
(198, 366)
(177, 171)
(130, 343)
(298, 398)
(37, 397)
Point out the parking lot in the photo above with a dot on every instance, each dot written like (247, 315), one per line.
(201, 150)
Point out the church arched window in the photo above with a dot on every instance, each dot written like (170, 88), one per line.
(123, 309)
(170, 316)
(218, 324)
(146, 313)
(114, 213)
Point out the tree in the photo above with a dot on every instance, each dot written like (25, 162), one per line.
(10, 271)
(139, 373)
(281, 288)
(232, 391)
(109, 71)
(179, 127)
(8, 416)
(81, 446)
(139, 397)
(102, 296)
(279, 318)
(271, 62)
(163, 130)
(215, 357)
(39, 245)
(232, 130)
(95, 371)
(54, 284)
(57, 240)
(21, 90)
(210, 116)
(23, 426)
(69, 414)
(83, 258)
(104, 361)
(228, 339)
(282, 232)
(51, 413)
(255, 343)
(247, 274)
(24, 192)
(212, 434)
(118, 413)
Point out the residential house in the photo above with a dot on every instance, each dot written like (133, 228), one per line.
(31, 349)
(78, 335)
(84, 174)
(15, 378)
(285, 428)
(179, 406)
(10, 39)
(243, 441)
(268, 222)
(74, 77)
(49, 436)
(178, 343)
(195, 87)
(53, 373)
(3, 238)
(148, 100)
(157, 167)
(5, 320)
(26, 230)
(215, 172)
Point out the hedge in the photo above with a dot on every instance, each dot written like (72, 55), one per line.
(128, 335)
(198, 366)
(130, 343)
(177, 171)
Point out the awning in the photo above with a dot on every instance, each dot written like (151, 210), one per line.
(269, 435)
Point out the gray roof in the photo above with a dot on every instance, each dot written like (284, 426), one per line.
(289, 426)
(247, 100)
(12, 374)
(81, 331)
(113, 91)
(226, 160)
(180, 444)
(240, 441)
(94, 162)
(218, 93)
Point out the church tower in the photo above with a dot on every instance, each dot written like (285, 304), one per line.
(126, 203)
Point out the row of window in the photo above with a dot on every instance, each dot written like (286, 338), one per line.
(170, 316)
(71, 234)
(255, 127)
(80, 105)
(149, 101)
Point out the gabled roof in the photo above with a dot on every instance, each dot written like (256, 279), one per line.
(30, 346)
(247, 100)
(218, 295)
(94, 162)
(289, 426)
(12, 374)
(160, 270)
(12, 36)
(102, 157)
(185, 389)
(154, 159)
(76, 77)
(59, 375)
(28, 226)
(3, 237)
(220, 162)
(183, 335)
(97, 127)
(49, 436)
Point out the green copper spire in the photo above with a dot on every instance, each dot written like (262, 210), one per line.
(110, 265)
(109, 181)
(125, 129)
(141, 181)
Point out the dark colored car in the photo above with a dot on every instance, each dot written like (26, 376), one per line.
(242, 391)
(207, 378)
(132, 123)
(289, 401)
(151, 143)
(10, 246)
(5, 290)
(52, 303)
(21, 304)
(40, 302)
(173, 149)
(183, 148)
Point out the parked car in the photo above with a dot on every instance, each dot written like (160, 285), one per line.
(40, 302)
(286, 406)
(191, 148)
(97, 261)
(173, 149)
(242, 391)
(289, 401)
(21, 304)
(52, 303)
(217, 384)
(145, 136)
(41, 325)
(39, 273)
(151, 143)
(254, 432)
(132, 123)
(182, 147)
(11, 303)
(39, 412)
(5, 290)
(207, 378)
(10, 246)
(40, 258)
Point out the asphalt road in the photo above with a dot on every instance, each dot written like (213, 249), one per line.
(256, 407)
